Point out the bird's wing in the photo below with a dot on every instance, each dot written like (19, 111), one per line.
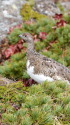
(48, 66)
(56, 67)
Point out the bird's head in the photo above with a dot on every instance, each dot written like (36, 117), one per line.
(26, 37)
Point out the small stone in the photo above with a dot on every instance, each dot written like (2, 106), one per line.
(4, 81)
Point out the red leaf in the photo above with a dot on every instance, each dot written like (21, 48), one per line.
(58, 16)
(28, 82)
(10, 51)
(10, 30)
(20, 41)
(19, 26)
(13, 49)
(42, 35)
(35, 38)
(61, 23)
(20, 46)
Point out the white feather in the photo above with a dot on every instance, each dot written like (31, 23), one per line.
(37, 77)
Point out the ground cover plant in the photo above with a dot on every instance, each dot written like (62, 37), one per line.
(42, 104)
(45, 104)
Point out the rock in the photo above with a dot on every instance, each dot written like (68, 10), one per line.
(10, 16)
(66, 6)
(46, 7)
(5, 81)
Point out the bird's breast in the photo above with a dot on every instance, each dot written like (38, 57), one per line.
(37, 77)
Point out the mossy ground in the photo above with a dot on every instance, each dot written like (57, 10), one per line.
(43, 104)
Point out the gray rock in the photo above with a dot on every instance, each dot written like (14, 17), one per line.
(9, 15)
(66, 6)
(46, 7)
(4, 81)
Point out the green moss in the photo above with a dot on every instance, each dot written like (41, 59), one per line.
(30, 2)
(13, 37)
(63, 34)
(15, 67)
(9, 118)
(28, 13)
(66, 18)
(38, 104)
(39, 45)
(2, 90)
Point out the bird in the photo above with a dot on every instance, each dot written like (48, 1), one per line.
(41, 68)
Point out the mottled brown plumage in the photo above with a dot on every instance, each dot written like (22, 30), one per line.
(42, 64)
